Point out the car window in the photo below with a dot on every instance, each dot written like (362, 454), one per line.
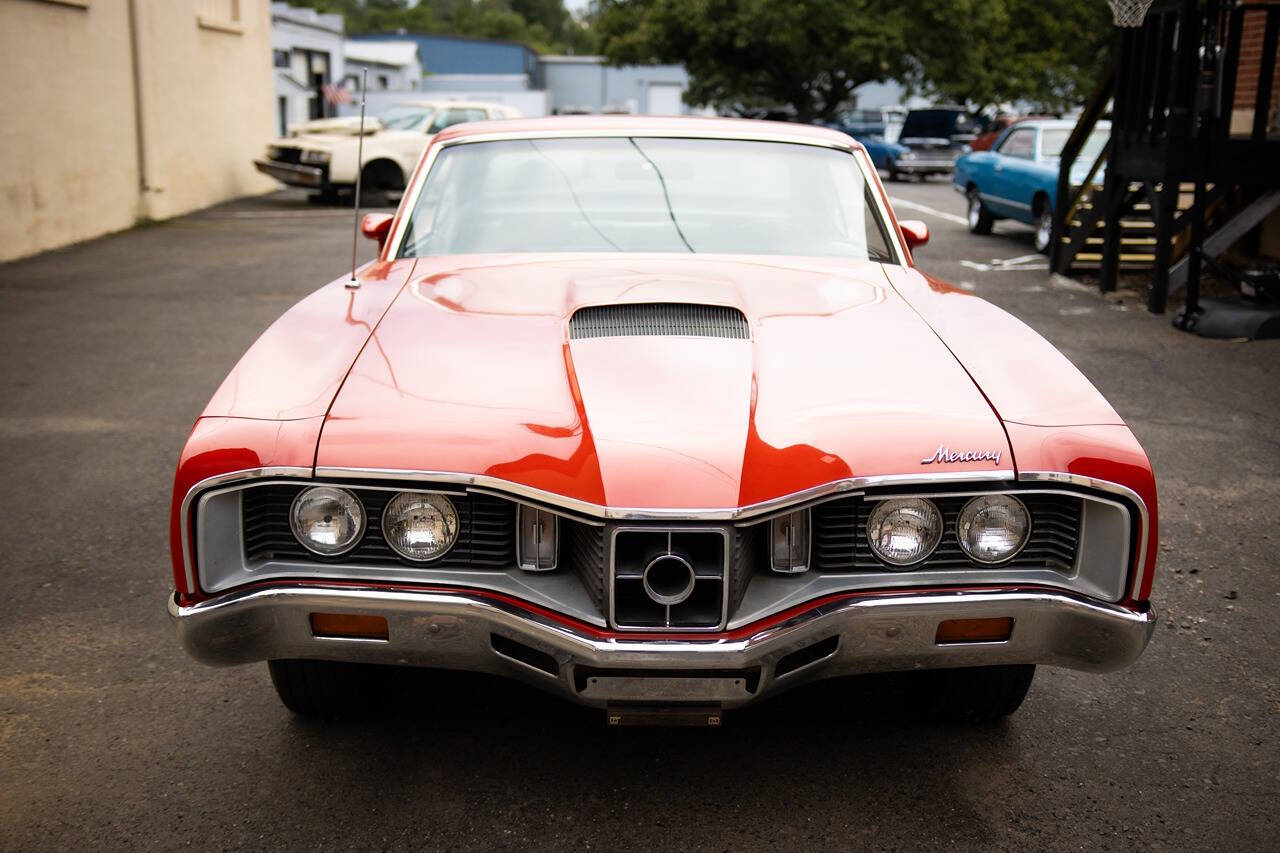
(1019, 143)
(1053, 140)
(941, 124)
(448, 118)
(646, 195)
(407, 118)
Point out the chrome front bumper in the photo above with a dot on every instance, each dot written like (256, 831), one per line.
(292, 174)
(845, 635)
(933, 167)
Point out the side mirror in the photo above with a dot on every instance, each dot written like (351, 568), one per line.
(377, 226)
(914, 231)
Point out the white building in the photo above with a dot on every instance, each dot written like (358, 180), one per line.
(306, 51)
(586, 84)
(394, 66)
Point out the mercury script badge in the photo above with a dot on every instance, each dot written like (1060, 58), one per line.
(944, 455)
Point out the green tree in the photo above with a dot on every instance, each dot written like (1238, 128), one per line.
(984, 52)
(811, 54)
(545, 25)
(747, 54)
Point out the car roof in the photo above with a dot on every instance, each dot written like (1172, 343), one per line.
(586, 125)
(437, 104)
(1053, 124)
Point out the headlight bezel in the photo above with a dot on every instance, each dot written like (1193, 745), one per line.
(431, 498)
(969, 507)
(888, 505)
(313, 157)
(306, 542)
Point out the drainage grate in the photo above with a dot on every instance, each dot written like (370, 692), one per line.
(658, 318)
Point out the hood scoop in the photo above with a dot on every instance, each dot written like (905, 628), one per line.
(672, 319)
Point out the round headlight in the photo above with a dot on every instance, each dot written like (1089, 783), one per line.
(326, 520)
(420, 526)
(993, 528)
(904, 531)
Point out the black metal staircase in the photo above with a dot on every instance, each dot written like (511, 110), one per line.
(1173, 157)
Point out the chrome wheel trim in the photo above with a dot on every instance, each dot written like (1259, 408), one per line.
(975, 210)
(1044, 230)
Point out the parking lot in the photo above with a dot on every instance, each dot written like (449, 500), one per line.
(111, 737)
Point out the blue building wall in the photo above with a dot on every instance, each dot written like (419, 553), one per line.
(461, 55)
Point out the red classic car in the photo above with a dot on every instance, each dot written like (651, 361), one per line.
(658, 415)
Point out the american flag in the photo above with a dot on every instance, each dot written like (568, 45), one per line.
(336, 95)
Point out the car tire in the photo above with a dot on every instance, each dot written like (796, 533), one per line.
(980, 219)
(325, 689)
(1043, 239)
(979, 694)
(894, 175)
(378, 180)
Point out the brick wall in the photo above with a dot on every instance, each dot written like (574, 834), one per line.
(1247, 76)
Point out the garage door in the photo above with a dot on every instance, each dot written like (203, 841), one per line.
(664, 99)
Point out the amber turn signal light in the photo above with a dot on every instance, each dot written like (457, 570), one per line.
(974, 630)
(356, 626)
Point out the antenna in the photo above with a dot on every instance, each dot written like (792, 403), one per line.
(354, 283)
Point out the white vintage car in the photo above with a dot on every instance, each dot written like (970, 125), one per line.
(322, 155)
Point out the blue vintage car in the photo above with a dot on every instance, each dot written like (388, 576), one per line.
(1018, 178)
(884, 154)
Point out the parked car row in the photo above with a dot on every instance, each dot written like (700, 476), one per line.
(1007, 173)
(928, 142)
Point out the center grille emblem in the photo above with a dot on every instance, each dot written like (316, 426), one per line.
(669, 578)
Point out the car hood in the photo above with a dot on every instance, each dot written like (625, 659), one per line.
(472, 371)
(343, 126)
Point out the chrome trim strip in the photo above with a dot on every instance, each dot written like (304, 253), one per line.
(1002, 200)
(1140, 572)
(221, 479)
(409, 200)
(882, 632)
(784, 503)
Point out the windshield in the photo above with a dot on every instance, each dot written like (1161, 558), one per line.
(407, 118)
(646, 195)
(1053, 140)
(937, 124)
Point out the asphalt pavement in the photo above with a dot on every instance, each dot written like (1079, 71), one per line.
(110, 737)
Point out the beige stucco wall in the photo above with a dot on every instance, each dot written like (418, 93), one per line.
(69, 159)
(68, 165)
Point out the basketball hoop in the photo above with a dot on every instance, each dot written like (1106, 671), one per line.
(1129, 13)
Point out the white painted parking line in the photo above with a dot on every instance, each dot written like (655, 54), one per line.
(999, 265)
(924, 208)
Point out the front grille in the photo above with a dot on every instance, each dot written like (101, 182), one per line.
(486, 531)
(840, 539)
(702, 551)
(286, 154)
(658, 318)
(582, 550)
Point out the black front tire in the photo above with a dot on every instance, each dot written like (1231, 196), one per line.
(979, 694)
(979, 218)
(894, 174)
(326, 689)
